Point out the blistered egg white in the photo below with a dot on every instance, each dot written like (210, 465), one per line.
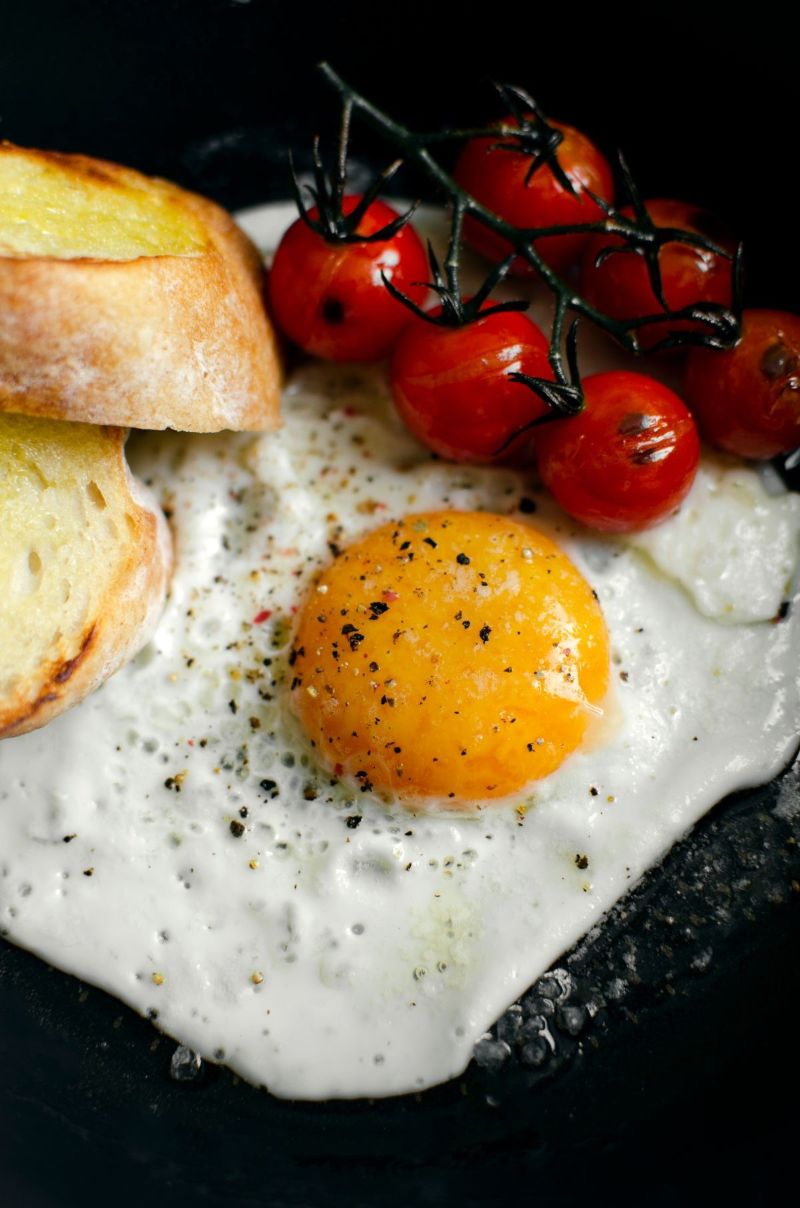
(173, 840)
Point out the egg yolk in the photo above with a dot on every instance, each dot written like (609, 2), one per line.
(449, 655)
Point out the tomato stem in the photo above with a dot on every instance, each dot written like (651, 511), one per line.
(639, 230)
(334, 223)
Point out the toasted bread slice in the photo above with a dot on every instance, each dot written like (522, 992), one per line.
(127, 301)
(84, 562)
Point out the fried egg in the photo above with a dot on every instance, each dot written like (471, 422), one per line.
(450, 656)
(349, 803)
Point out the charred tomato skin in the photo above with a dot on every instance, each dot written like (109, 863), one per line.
(747, 399)
(627, 460)
(329, 297)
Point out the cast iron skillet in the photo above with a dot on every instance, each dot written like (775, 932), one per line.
(682, 1083)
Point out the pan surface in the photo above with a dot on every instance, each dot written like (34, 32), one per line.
(682, 1078)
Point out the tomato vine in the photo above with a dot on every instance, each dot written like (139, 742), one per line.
(712, 324)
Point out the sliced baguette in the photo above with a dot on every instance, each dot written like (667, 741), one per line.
(127, 301)
(84, 563)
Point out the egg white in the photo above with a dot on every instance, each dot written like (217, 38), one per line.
(173, 841)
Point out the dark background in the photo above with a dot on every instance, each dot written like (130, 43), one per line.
(692, 1095)
(196, 89)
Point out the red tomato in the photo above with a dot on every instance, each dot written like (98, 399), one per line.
(453, 385)
(496, 178)
(330, 298)
(627, 460)
(747, 399)
(620, 287)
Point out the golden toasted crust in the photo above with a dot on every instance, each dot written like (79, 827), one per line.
(22, 713)
(114, 553)
(159, 341)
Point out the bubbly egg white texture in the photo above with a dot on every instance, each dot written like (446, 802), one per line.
(173, 841)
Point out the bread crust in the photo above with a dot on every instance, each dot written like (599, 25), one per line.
(130, 612)
(167, 341)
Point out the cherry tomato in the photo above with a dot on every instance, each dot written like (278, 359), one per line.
(452, 385)
(747, 399)
(620, 287)
(627, 460)
(496, 178)
(330, 298)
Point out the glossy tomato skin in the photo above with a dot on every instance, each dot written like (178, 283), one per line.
(747, 399)
(329, 298)
(628, 460)
(620, 287)
(451, 385)
(496, 178)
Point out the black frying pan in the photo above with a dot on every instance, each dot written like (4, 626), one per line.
(685, 1086)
